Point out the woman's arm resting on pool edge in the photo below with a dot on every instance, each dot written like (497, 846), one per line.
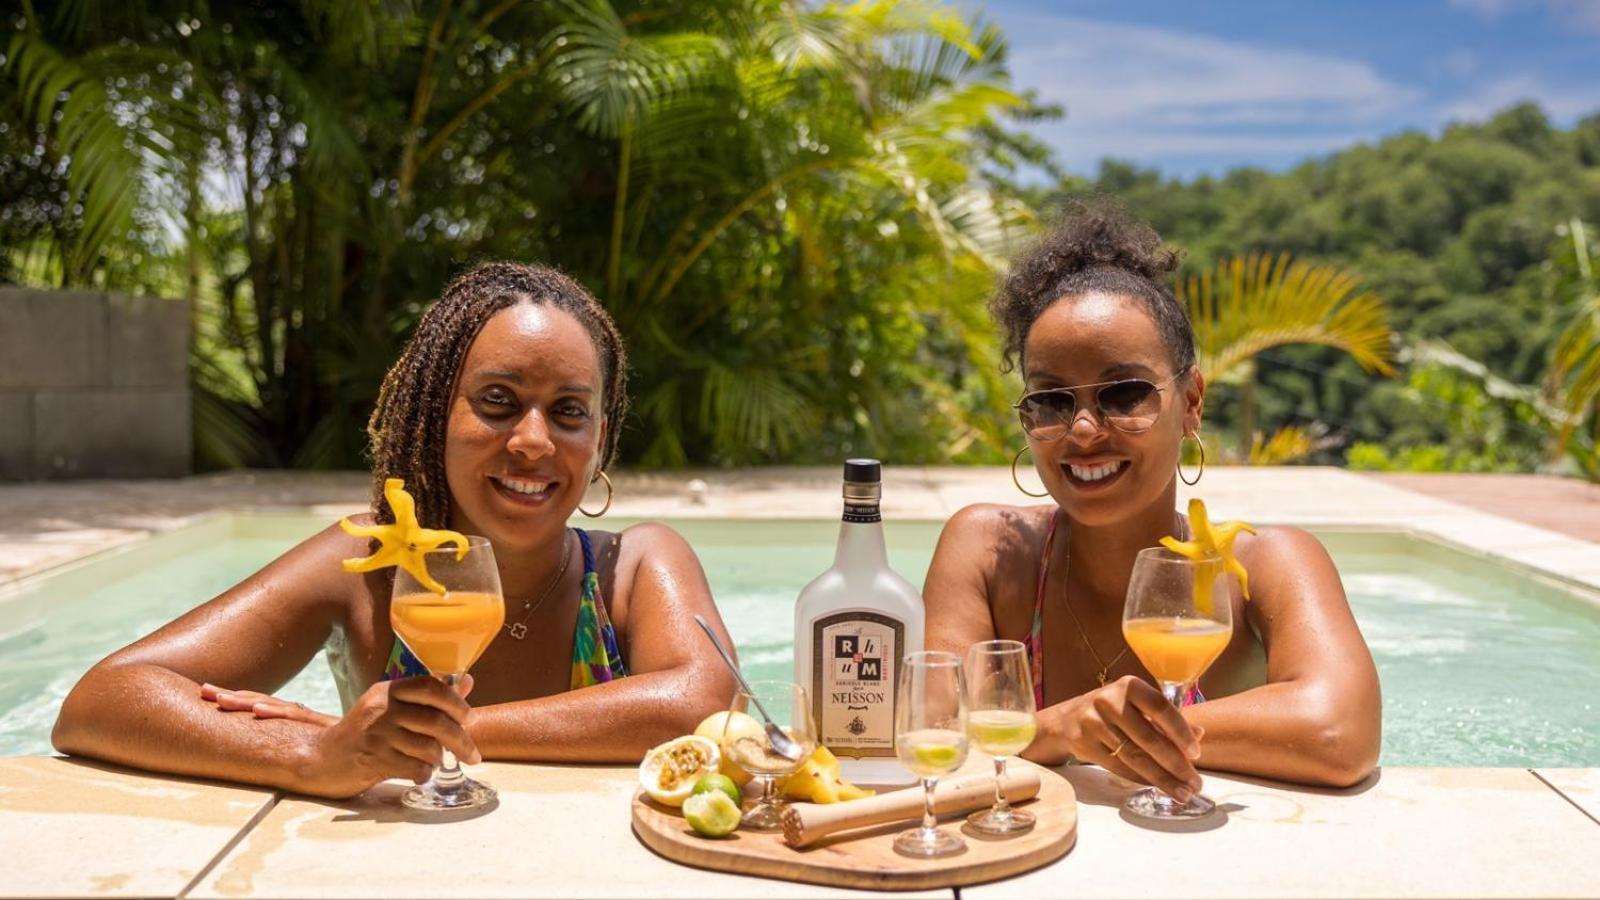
(143, 706)
(675, 678)
(1318, 719)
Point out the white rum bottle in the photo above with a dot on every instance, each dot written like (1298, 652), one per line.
(852, 625)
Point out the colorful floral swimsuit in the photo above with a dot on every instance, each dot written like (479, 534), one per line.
(1035, 639)
(596, 657)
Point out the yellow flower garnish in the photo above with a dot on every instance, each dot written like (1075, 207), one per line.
(403, 543)
(820, 782)
(1211, 542)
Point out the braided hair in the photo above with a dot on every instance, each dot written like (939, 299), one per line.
(1095, 248)
(407, 428)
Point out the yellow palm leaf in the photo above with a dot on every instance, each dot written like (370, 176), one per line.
(1287, 445)
(1253, 303)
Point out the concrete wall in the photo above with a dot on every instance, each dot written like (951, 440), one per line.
(93, 386)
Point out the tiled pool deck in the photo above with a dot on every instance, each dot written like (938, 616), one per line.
(76, 829)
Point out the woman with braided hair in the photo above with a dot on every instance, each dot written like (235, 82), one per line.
(1111, 393)
(503, 408)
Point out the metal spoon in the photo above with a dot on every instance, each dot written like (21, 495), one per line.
(784, 745)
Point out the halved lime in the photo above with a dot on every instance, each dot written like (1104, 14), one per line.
(936, 756)
(720, 783)
(713, 813)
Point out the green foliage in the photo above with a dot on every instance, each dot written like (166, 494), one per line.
(1458, 234)
(786, 205)
(1573, 382)
(793, 209)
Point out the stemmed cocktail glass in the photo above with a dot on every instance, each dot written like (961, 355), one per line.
(1000, 721)
(930, 737)
(447, 633)
(1178, 620)
(790, 709)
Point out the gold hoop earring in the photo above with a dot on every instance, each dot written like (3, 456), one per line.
(610, 492)
(1017, 481)
(1198, 443)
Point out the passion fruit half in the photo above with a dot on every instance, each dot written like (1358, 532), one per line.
(669, 771)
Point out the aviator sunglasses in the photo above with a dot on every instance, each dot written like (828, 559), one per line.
(1130, 405)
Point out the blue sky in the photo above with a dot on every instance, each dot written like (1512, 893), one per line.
(1192, 87)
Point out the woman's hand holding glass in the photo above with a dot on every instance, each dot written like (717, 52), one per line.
(1160, 747)
(396, 729)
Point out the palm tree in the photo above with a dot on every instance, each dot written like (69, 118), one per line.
(781, 202)
(815, 131)
(1249, 304)
(1573, 383)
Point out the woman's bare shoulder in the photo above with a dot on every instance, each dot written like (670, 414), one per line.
(314, 570)
(998, 528)
(1276, 546)
(620, 554)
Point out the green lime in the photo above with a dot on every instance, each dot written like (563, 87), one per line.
(719, 783)
(936, 756)
(713, 813)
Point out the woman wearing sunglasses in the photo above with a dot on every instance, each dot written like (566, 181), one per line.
(1112, 392)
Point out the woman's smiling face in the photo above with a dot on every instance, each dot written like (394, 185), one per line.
(525, 426)
(1097, 473)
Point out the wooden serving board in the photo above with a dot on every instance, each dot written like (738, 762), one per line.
(865, 858)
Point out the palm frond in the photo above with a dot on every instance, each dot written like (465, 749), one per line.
(114, 142)
(1289, 444)
(358, 32)
(1249, 304)
(661, 409)
(798, 38)
(753, 407)
(610, 76)
(1573, 382)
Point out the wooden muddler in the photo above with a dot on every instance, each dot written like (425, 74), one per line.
(810, 822)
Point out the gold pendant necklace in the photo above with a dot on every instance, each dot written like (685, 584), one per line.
(519, 630)
(1066, 601)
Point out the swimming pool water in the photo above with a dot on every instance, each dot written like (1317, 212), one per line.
(1480, 665)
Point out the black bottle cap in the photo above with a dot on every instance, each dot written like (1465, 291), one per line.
(862, 471)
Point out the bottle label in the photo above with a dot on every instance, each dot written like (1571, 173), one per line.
(862, 514)
(855, 658)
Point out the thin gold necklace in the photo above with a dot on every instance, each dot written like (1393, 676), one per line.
(1066, 601)
(519, 630)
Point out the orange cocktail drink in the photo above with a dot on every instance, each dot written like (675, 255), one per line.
(1178, 619)
(447, 613)
(1176, 649)
(447, 632)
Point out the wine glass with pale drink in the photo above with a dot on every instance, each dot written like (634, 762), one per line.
(447, 633)
(790, 709)
(1178, 619)
(930, 737)
(1000, 722)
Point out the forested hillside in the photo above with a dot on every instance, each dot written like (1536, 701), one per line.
(1464, 234)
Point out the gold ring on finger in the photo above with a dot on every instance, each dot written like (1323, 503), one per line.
(1120, 745)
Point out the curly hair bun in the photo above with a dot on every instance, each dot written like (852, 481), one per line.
(1095, 247)
(1098, 234)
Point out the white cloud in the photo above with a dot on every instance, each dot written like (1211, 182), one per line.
(1559, 103)
(1137, 91)
(1585, 13)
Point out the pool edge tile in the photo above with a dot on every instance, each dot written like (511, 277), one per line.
(1578, 786)
(108, 831)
